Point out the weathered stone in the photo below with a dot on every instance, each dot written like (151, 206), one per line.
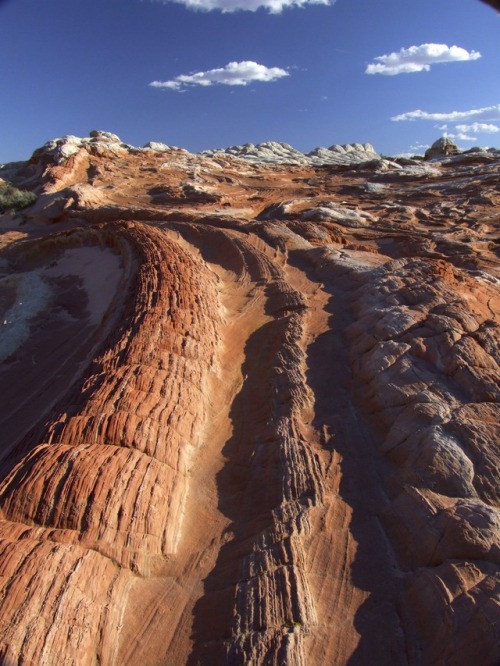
(443, 147)
(249, 407)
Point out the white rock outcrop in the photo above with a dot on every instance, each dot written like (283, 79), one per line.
(273, 152)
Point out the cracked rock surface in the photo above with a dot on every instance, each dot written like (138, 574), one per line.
(250, 407)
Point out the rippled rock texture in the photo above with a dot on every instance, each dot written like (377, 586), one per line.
(250, 409)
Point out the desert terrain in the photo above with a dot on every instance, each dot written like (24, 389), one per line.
(250, 407)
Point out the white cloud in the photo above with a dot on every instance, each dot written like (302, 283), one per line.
(419, 146)
(233, 74)
(416, 149)
(485, 113)
(479, 128)
(171, 85)
(229, 6)
(460, 136)
(463, 132)
(419, 59)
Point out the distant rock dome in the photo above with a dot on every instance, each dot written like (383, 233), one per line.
(443, 147)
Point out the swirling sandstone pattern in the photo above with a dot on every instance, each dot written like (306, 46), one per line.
(251, 412)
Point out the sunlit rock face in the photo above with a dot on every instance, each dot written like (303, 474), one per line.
(250, 407)
(443, 147)
(273, 152)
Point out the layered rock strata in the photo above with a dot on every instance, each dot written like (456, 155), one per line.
(251, 408)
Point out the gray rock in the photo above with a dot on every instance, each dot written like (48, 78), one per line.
(157, 147)
(443, 147)
(273, 152)
(106, 137)
(332, 212)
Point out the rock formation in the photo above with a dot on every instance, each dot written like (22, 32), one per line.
(273, 152)
(250, 407)
(443, 147)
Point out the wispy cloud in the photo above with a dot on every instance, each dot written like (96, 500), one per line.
(233, 74)
(486, 113)
(479, 128)
(460, 136)
(419, 146)
(419, 59)
(463, 132)
(229, 6)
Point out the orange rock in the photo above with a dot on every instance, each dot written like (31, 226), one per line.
(237, 432)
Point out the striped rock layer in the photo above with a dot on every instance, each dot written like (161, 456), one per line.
(250, 412)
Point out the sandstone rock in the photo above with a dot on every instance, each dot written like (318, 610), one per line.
(272, 152)
(335, 213)
(157, 147)
(107, 137)
(443, 147)
(59, 149)
(250, 407)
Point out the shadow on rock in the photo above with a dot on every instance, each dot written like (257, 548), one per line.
(363, 473)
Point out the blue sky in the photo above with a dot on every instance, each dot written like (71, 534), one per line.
(298, 73)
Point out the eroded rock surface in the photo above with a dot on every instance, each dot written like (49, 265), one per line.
(250, 407)
(273, 152)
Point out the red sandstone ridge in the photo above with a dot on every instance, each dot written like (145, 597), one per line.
(250, 408)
